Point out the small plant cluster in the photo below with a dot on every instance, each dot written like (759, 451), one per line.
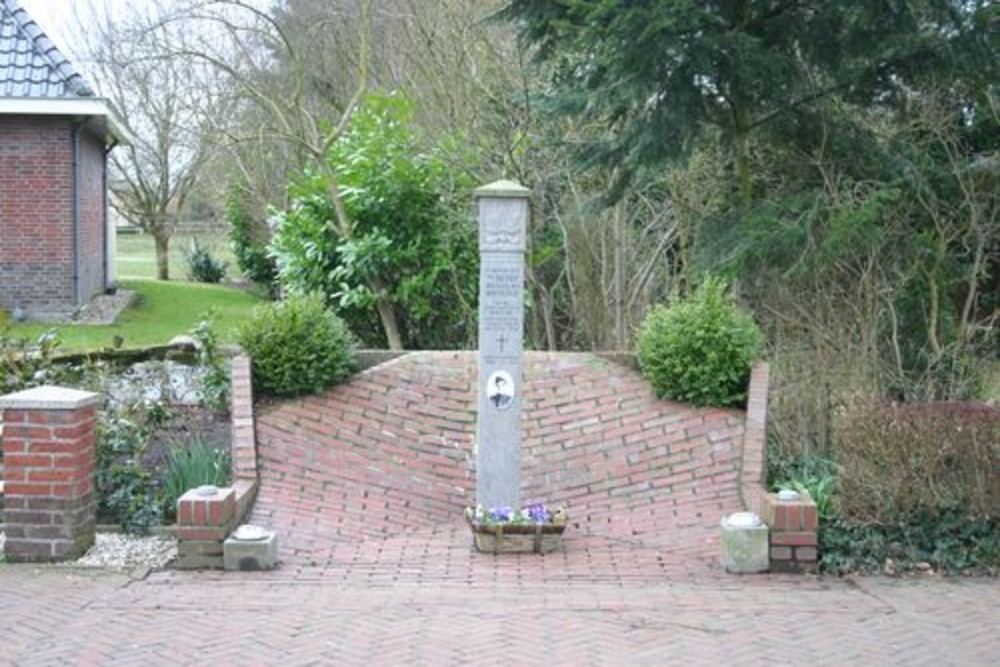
(948, 541)
(814, 475)
(129, 490)
(297, 346)
(215, 381)
(202, 265)
(535, 514)
(26, 363)
(189, 467)
(126, 493)
(700, 349)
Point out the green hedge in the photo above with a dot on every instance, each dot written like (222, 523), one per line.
(297, 347)
(699, 350)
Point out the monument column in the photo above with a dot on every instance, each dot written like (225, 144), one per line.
(503, 218)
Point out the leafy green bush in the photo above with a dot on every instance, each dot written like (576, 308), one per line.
(126, 493)
(700, 349)
(297, 347)
(131, 498)
(203, 266)
(248, 237)
(191, 467)
(409, 247)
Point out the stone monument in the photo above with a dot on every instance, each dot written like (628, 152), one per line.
(503, 218)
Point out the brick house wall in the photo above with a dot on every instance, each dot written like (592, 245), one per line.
(92, 218)
(36, 215)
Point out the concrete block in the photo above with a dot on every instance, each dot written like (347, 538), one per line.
(744, 543)
(250, 548)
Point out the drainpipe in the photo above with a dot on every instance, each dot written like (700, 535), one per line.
(75, 194)
(104, 216)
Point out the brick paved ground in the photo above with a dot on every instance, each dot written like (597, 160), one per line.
(365, 486)
(53, 617)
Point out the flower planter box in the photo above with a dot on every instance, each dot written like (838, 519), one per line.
(499, 538)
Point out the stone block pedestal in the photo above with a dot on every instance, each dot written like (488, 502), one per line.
(744, 544)
(251, 548)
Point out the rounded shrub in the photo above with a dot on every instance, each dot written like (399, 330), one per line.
(203, 266)
(699, 350)
(297, 347)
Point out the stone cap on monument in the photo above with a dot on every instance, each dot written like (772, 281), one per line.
(502, 190)
(49, 398)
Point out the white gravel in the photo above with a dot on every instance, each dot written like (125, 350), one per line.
(126, 552)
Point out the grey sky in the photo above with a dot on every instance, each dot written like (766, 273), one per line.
(58, 17)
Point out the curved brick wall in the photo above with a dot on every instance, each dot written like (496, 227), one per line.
(392, 451)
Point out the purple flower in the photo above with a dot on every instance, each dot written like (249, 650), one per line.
(501, 514)
(538, 514)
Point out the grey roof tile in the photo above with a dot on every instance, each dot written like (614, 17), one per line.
(30, 64)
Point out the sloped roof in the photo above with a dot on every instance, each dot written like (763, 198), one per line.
(30, 64)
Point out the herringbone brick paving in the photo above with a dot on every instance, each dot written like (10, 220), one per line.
(57, 617)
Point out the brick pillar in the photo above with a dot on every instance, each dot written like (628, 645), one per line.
(205, 517)
(50, 453)
(794, 526)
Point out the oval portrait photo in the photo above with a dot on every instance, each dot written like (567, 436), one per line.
(500, 390)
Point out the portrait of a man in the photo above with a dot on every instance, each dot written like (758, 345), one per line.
(500, 390)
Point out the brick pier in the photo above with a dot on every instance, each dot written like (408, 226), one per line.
(49, 446)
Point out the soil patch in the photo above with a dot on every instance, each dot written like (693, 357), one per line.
(186, 425)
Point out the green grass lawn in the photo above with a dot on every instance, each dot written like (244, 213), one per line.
(164, 310)
(136, 255)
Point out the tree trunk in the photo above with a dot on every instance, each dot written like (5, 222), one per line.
(742, 140)
(390, 325)
(162, 255)
(619, 275)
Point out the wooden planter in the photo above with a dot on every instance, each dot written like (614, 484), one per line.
(516, 539)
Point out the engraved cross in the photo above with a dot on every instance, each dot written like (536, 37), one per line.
(502, 340)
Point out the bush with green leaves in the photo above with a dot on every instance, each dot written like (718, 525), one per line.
(126, 493)
(409, 245)
(189, 467)
(700, 349)
(248, 237)
(203, 266)
(297, 346)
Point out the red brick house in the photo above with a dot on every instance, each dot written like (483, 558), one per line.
(56, 247)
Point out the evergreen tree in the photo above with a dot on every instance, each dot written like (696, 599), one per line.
(660, 73)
